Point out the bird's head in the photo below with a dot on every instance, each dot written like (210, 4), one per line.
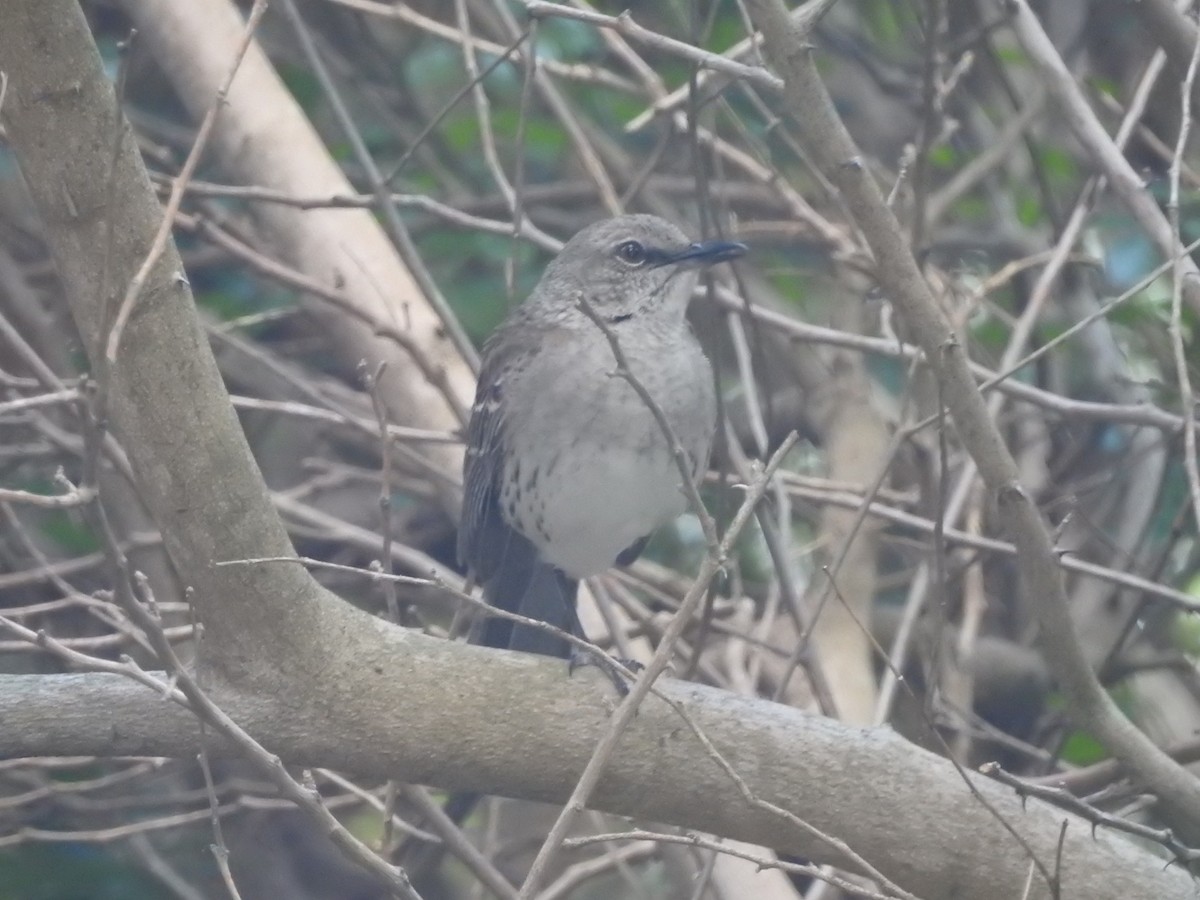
(631, 266)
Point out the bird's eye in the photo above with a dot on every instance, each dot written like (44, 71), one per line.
(631, 252)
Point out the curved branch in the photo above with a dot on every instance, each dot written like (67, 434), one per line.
(904, 808)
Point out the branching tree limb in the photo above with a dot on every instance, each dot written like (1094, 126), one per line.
(520, 729)
(321, 683)
(807, 102)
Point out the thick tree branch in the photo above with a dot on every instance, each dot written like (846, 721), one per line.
(905, 808)
(165, 400)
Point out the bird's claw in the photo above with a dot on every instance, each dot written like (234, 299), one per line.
(611, 666)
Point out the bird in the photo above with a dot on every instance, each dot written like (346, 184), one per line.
(567, 472)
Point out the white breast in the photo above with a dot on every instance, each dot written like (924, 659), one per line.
(591, 513)
(607, 478)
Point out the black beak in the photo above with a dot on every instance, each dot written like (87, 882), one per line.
(704, 253)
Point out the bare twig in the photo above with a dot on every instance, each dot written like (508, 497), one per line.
(689, 839)
(1183, 854)
(1178, 275)
(138, 282)
(625, 25)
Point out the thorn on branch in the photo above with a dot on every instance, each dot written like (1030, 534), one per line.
(1011, 494)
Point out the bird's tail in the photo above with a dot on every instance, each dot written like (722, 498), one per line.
(536, 591)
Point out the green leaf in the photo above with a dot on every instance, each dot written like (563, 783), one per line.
(973, 208)
(943, 156)
(1029, 210)
(1059, 165)
(301, 84)
(1105, 85)
(990, 332)
(1185, 627)
(1081, 749)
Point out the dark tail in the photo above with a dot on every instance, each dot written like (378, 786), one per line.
(525, 585)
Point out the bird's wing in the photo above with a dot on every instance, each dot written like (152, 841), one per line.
(482, 470)
(501, 558)
(630, 554)
(484, 537)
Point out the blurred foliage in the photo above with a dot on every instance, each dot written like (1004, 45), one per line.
(77, 871)
(402, 83)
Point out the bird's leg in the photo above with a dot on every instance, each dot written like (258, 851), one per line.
(611, 666)
(607, 664)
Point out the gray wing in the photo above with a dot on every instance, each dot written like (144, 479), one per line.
(483, 534)
(503, 560)
(483, 468)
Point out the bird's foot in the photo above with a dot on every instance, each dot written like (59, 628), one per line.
(610, 666)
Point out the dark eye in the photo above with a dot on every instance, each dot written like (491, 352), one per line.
(631, 252)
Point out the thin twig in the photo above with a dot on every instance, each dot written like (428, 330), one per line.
(1179, 272)
(1183, 854)
(159, 243)
(220, 850)
(690, 839)
(625, 25)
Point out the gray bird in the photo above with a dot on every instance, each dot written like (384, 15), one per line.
(567, 472)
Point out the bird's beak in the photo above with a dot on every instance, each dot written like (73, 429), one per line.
(704, 253)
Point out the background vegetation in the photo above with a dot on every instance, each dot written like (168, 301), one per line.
(1034, 165)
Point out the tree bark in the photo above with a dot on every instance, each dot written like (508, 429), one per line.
(466, 718)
